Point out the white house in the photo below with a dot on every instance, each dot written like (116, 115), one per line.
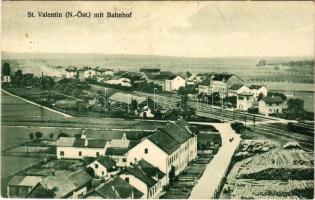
(104, 167)
(146, 178)
(221, 82)
(244, 101)
(270, 105)
(120, 81)
(71, 72)
(6, 79)
(103, 72)
(174, 144)
(258, 89)
(174, 83)
(236, 89)
(85, 73)
(77, 148)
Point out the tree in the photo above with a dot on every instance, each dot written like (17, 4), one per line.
(133, 105)
(31, 135)
(297, 106)
(172, 174)
(42, 192)
(6, 69)
(283, 97)
(51, 136)
(188, 74)
(38, 135)
(18, 78)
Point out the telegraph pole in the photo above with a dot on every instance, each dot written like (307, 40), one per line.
(245, 119)
(41, 97)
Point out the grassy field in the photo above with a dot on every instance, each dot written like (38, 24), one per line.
(13, 107)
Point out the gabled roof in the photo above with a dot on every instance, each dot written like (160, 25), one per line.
(136, 171)
(71, 69)
(79, 178)
(164, 142)
(272, 99)
(65, 184)
(94, 143)
(223, 77)
(176, 132)
(107, 162)
(79, 142)
(256, 87)
(236, 87)
(126, 98)
(174, 76)
(100, 69)
(150, 170)
(85, 69)
(30, 181)
(115, 134)
(117, 188)
(116, 151)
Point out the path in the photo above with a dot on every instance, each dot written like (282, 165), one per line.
(35, 104)
(211, 179)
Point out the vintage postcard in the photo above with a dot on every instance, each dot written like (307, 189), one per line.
(157, 100)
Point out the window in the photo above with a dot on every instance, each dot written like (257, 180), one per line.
(103, 173)
(146, 150)
(80, 153)
(127, 180)
(96, 166)
(97, 153)
(62, 153)
(124, 160)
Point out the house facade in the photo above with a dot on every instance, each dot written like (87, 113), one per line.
(270, 105)
(86, 73)
(126, 82)
(104, 167)
(146, 178)
(236, 89)
(103, 72)
(221, 82)
(77, 148)
(245, 100)
(258, 89)
(174, 83)
(71, 72)
(174, 144)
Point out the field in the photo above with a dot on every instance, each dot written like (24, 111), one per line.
(12, 107)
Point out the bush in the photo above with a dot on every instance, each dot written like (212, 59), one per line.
(38, 135)
(238, 127)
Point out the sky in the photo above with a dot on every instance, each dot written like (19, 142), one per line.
(188, 29)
